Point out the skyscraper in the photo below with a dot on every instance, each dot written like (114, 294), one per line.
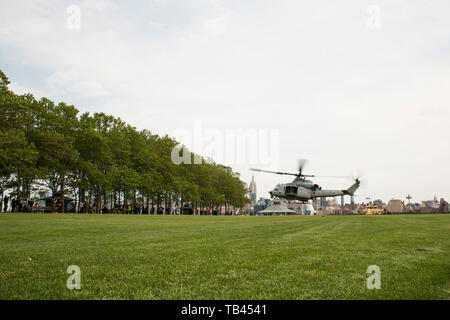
(252, 188)
(323, 202)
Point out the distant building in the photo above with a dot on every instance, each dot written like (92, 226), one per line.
(427, 204)
(348, 209)
(323, 202)
(430, 204)
(316, 203)
(443, 205)
(332, 203)
(395, 206)
(261, 204)
(378, 203)
(435, 203)
(252, 188)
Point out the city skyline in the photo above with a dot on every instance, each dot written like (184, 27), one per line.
(347, 199)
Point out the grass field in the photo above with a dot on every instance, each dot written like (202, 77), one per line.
(210, 257)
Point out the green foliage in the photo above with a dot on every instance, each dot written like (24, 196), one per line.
(43, 143)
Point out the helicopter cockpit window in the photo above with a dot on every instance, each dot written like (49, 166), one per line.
(291, 189)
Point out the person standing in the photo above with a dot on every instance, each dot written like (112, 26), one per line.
(5, 203)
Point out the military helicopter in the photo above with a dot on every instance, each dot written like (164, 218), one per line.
(304, 190)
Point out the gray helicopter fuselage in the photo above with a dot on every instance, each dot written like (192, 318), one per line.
(305, 190)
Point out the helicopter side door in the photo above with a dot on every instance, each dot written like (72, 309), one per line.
(291, 190)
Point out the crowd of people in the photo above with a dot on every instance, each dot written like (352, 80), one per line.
(11, 204)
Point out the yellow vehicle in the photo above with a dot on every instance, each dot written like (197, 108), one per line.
(371, 210)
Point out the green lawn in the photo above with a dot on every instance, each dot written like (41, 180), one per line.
(209, 257)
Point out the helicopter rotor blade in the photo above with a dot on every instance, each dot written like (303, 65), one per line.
(275, 172)
(339, 177)
(300, 165)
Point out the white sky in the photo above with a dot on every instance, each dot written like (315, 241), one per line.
(343, 95)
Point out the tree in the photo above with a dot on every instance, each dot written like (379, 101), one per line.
(93, 156)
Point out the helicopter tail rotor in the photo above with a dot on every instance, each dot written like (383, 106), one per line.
(358, 176)
(351, 191)
(358, 181)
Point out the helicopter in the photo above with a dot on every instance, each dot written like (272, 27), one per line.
(302, 189)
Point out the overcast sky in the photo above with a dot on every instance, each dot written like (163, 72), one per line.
(353, 86)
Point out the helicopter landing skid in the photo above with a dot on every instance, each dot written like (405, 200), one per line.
(288, 201)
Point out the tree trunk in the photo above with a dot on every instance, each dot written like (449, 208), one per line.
(63, 178)
(104, 198)
(181, 205)
(158, 203)
(165, 202)
(99, 202)
(153, 202)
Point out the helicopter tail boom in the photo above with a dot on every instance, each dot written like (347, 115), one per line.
(351, 191)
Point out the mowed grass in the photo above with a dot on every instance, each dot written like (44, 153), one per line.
(210, 257)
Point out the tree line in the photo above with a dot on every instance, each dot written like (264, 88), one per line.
(98, 158)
